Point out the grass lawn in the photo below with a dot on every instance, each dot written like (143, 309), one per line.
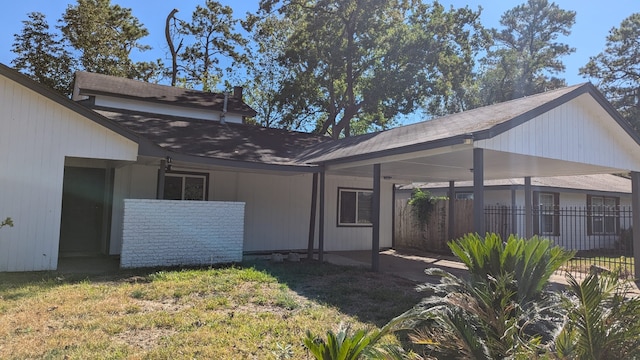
(255, 310)
(583, 264)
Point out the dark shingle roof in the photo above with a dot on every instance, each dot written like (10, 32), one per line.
(98, 84)
(485, 121)
(205, 138)
(211, 139)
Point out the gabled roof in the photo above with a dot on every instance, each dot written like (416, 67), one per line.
(64, 101)
(596, 182)
(479, 123)
(88, 84)
(211, 139)
(237, 144)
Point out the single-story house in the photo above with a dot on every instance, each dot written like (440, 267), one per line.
(577, 211)
(124, 158)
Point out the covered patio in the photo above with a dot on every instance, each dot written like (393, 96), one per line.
(569, 131)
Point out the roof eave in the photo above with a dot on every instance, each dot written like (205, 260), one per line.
(430, 145)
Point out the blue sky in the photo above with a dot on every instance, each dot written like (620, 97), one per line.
(594, 19)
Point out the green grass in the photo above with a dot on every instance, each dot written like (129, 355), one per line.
(613, 263)
(257, 310)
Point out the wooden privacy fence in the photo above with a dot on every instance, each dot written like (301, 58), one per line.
(434, 235)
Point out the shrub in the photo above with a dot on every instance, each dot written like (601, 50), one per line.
(422, 203)
(503, 310)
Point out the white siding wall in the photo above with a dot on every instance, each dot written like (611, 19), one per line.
(156, 108)
(277, 207)
(570, 132)
(278, 210)
(35, 137)
(172, 233)
(355, 238)
(130, 182)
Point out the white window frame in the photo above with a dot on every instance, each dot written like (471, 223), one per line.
(357, 222)
(547, 212)
(601, 210)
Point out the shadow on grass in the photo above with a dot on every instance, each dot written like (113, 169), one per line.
(370, 297)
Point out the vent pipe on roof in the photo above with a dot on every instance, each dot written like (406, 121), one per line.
(224, 108)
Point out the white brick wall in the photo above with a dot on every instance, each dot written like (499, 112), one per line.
(173, 232)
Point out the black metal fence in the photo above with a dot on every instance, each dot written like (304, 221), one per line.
(601, 236)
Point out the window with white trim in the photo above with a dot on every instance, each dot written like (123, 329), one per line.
(546, 213)
(603, 214)
(354, 207)
(185, 186)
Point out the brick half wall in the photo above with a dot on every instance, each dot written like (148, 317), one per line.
(174, 233)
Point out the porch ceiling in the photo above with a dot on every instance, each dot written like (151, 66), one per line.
(457, 165)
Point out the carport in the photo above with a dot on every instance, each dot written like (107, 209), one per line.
(568, 131)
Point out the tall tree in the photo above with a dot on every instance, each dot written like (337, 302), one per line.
(210, 37)
(93, 35)
(357, 64)
(104, 36)
(526, 52)
(617, 69)
(41, 54)
(266, 74)
(169, 32)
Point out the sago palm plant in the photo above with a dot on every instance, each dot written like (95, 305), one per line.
(361, 344)
(603, 320)
(503, 310)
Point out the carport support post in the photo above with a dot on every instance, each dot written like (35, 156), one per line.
(635, 210)
(375, 221)
(312, 215)
(321, 219)
(528, 208)
(452, 213)
(478, 191)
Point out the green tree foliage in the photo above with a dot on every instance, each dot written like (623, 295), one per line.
(617, 69)
(42, 55)
(526, 53)
(209, 37)
(52, 57)
(356, 65)
(266, 74)
(118, 32)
